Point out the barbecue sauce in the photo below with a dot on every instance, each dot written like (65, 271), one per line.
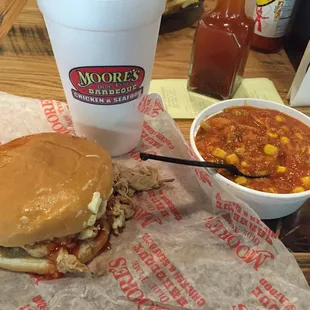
(220, 50)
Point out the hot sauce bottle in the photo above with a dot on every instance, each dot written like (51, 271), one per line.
(220, 50)
(271, 20)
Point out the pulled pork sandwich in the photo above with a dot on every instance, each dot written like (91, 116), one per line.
(60, 199)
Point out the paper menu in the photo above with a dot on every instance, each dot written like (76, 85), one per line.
(182, 104)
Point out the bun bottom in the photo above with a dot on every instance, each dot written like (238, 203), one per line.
(17, 259)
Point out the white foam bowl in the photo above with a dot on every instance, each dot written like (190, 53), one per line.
(266, 205)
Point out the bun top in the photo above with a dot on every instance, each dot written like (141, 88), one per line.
(46, 183)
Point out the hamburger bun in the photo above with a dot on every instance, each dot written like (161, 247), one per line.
(47, 181)
(17, 259)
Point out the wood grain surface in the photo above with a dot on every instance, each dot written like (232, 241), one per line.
(28, 68)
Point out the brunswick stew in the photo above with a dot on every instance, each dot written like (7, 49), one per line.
(259, 142)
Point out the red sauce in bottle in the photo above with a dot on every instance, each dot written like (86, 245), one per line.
(271, 20)
(220, 50)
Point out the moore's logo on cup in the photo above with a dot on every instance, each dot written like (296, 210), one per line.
(107, 85)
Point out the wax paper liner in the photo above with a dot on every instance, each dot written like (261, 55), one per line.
(190, 245)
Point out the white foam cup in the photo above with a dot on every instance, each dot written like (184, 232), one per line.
(105, 51)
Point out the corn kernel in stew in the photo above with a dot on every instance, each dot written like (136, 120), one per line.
(280, 119)
(244, 164)
(219, 153)
(298, 189)
(281, 169)
(299, 135)
(241, 180)
(232, 159)
(270, 149)
(240, 150)
(272, 134)
(284, 140)
(306, 181)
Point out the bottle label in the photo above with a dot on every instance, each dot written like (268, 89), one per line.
(272, 17)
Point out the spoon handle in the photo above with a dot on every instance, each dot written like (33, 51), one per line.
(196, 163)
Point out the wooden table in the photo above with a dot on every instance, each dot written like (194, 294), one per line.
(28, 69)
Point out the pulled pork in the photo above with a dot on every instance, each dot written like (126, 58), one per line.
(68, 262)
(131, 180)
(126, 183)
